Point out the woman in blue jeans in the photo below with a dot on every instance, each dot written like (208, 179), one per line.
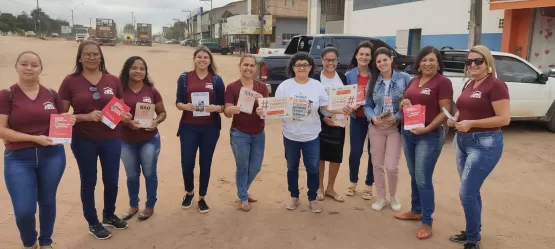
(33, 163)
(88, 90)
(200, 95)
(247, 136)
(141, 141)
(301, 131)
(483, 108)
(422, 145)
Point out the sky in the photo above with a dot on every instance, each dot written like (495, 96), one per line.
(159, 13)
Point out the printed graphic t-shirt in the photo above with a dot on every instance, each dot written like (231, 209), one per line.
(429, 95)
(475, 103)
(326, 82)
(307, 98)
(195, 84)
(148, 95)
(251, 124)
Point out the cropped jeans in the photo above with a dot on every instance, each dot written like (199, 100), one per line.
(248, 151)
(87, 152)
(421, 153)
(477, 155)
(137, 157)
(32, 175)
(311, 158)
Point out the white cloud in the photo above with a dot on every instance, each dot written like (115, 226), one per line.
(157, 12)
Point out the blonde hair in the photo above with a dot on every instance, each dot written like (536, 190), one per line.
(247, 56)
(488, 58)
(212, 65)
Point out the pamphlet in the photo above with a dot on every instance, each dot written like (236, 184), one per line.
(449, 116)
(60, 129)
(361, 94)
(341, 96)
(276, 108)
(144, 114)
(414, 116)
(112, 112)
(387, 105)
(246, 100)
(201, 100)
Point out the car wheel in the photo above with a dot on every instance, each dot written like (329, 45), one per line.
(551, 124)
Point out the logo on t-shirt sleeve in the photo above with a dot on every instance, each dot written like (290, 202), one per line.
(108, 90)
(476, 95)
(48, 106)
(426, 91)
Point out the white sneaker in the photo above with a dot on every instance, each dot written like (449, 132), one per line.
(379, 205)
(395, 203)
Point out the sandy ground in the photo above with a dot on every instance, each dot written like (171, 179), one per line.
(518, 197)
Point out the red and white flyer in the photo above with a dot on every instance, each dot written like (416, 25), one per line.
(341, 96)
(276, 108)
(60, 128)
(112, 112)
(361, 94)
(414, 116)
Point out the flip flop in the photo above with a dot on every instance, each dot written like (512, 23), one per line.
(320, 195)
(336, 197)
(127, 215)
(145, 216)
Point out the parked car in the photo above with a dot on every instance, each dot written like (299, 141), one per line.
(532, 92)
(272, 67)
(55, 35)
(30, 34)
(216, 48)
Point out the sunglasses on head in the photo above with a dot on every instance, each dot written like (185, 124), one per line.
(477, 61)
(96, 94)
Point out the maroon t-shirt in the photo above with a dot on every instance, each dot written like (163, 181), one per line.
(429, 95)
(475, 103)
(147, 94)
(195, 84)
(77, 90)
(29, 116)
(251, 124)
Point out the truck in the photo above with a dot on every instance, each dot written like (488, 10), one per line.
(532, 92)
(144, 34)
(106, 32)
(272, 67)
(81, 34)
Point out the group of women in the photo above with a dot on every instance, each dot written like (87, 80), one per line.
(34, 164)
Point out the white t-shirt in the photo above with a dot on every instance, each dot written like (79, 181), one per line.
(327, 82)
(387, 85)
(307, 98)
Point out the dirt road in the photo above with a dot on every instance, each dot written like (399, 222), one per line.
(518, 209)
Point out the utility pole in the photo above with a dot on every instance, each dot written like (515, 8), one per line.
(261, 12)
(209, 17)
(37, 21)
(189, 21)
(72, 23)
(132, 21)
(90, 22)
(475, 24)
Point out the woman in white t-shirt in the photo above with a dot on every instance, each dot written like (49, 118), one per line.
(300, 133)
(332, 136)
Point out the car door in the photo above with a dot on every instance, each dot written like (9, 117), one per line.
(529, 96)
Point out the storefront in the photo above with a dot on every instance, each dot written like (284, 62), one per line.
(528, 30)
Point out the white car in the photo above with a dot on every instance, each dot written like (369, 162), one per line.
(532, 92)
(30, 33)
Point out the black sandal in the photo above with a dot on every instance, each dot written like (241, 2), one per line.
(127, 215)
(144, 216)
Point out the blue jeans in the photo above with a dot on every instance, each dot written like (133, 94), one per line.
(32, 175)
(248, 151)
(87, 152)
(477, 155)
(358, 136)
(311, 159)
(421, 153)
(145, 156)
(204, 139)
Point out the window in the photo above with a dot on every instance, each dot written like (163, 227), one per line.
(346, 46)
(501, 23)
(513, 70)
(285, 38)
(291, 3)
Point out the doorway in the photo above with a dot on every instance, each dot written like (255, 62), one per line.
(415, 38)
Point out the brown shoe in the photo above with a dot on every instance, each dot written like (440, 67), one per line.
(245, 206)
(252, 199)
(408, 216)
(425, 232)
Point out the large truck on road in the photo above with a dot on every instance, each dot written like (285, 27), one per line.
(106, 32)
(81, 34)
(144, 34)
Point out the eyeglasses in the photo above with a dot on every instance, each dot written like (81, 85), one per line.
(299, 66)
(96, 94)
(90, 55)
(477, 61)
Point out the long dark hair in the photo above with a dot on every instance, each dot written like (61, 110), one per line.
(423, 53)
(212, 66)
(300, 56)
(124, 75)
(364, 44)
(79, 66)
(375, 72)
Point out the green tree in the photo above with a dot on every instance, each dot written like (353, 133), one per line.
(128, 28)
(25, 22)
(8, 22)
(176, 31)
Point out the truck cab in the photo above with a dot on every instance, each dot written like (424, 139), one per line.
(144, 34)
(106, 32)
(81, 34)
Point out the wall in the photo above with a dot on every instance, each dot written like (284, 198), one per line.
(288, 26)
(335, 27)
(448, 26)
(516, 31)
(284, 8)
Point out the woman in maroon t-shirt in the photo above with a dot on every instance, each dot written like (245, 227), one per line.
(33, 163)
(141, 141)
(88, 90)
(483, 108)
(422, 146)
(200, 95)
(247, 135)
